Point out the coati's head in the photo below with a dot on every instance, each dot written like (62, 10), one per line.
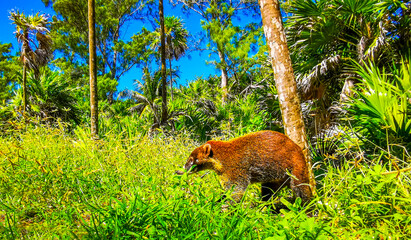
(199, 158)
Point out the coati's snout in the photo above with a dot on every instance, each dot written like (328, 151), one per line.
(198, 158)
(191, 164)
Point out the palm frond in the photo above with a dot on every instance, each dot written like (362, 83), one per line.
(312, 86)
(32, 32)
(176, 38)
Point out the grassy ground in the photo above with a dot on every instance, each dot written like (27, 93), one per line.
(54, 185)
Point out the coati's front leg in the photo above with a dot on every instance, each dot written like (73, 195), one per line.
(238, 187)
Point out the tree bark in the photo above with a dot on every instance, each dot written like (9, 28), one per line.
(110, 96)
(224, 74)
(24, 87)
(284, 78)
(26, 50)
(93, 69)
(163, 64)
(171, 81)
(347, 90)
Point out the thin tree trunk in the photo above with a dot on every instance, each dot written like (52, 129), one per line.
(93, 70)
(171, 81)
(26, 50)
(224, 74)
(163, 64)
(284, 78)
(24, 87)
(110, 96)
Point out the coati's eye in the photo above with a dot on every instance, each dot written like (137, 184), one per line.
(196, 160)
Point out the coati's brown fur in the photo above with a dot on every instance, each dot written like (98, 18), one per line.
(267, 157)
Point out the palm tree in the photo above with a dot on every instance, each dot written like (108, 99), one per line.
(32, 32)
(325, 43)
(146, 96)
(52, 98)
(284, 78)
(164, 112)
(217, 16)
(176, 42)
(93, 69)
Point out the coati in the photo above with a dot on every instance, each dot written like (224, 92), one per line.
(265, 157)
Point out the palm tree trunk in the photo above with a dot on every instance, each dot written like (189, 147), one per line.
(93, 70)
(171, 81)
(163, 64)
(348, 89)
(26, 50)
(284, 78)
(24, 87)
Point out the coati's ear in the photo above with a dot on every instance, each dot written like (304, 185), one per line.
(208, 152)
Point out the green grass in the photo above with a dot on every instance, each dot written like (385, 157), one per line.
(57, 185)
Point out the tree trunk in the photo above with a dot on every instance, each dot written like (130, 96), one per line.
(110, 96)
(171, 81)
(24, 87)
(26, 50)
(163, 64)
(347, 90)
(224, 74)
(93, 70)
(284, 78)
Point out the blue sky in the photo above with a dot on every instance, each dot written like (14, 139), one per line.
(191, 66)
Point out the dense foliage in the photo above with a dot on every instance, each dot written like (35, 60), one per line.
(59, 185)
(351, 59)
